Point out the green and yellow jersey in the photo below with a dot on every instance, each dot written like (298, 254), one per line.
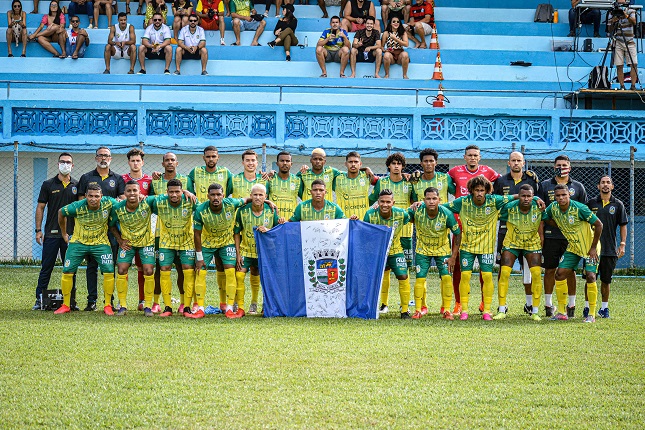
(134, 226)
(175, 223)
(246, 220)
(352, 194)
(242, 186)
(396, 222)
(90, 227)
(306, 212)
(327, 176)
(160, 186)
(478, 223)
(441, 182)
(522, 227)
(433, 233)
(217, 228)
(402, 192)
(575, 224)
(199, 180)
(284, 194)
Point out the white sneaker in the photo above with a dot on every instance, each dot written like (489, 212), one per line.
(221, 41)
(383, 309)
(89, 27)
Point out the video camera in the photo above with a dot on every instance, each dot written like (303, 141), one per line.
(211, 13)
(618, 9)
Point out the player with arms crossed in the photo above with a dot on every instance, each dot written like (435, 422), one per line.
(433, 224)
(395, 218)
(575, 221)
(90, 238)
(283, 187)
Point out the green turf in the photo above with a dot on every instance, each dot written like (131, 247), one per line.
(88, 370)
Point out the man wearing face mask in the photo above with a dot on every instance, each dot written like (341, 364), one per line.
(55, 193)
(113, 186)
(555, 243)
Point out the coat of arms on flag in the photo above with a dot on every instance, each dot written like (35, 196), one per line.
(327, 271)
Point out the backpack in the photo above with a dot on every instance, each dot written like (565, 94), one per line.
(599, 78)
(544, 13)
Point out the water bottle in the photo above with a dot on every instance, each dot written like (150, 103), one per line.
(306, 41)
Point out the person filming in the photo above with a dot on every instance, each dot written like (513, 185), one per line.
(621, 21)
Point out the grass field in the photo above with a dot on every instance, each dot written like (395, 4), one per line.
(88, 370)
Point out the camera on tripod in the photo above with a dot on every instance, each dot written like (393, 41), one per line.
(618, 9)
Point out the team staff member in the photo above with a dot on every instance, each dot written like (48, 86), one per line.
(575, 221)
(89, 238)
(352, 188)
(555, 244)
(112, 185)
(396, 219)
(318, 208)
(510, 184)
(318, 172)
(283, 187)
(433, 224)
(611, 212)
(55, 193)
(461, 175)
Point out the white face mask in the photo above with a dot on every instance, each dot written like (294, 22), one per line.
(64, 168)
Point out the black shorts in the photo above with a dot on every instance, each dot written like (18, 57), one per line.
(155, 56)
(190, 56)
(606, 268)
(552, 251)
(360, 57)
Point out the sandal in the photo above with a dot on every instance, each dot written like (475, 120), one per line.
(342, 75)
(127, 10)
(24, 55)
(324, 75)
(74, 57)
(10, 55)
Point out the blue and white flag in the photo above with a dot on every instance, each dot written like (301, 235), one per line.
(330, 269)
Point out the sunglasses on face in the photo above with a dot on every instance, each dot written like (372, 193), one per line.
(156, 20)
(75, 21)
(192, 20)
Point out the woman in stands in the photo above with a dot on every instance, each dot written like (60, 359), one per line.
(107, 7)
(17, 29)
(155, 6)
(181, 10)
(394, 40)
(285, 31)
(51, 29)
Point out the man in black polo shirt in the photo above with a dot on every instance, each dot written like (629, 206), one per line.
(112, 185)
(611, 212)
(510, 184)
(55, 193)
(554, 242)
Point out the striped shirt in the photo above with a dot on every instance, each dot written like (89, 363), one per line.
(327, 176)
(242, 186)
(91, 226)
(575, 224)
(284, 194)
(175, 223)
(306, 212)
(402, 196)
(217, 228)
(160, 186)
(199, 180)
(134, 226)
(522, 227)
(441, 181)
(245, 223)
(396, 222)
(433, 233)
(352, 194)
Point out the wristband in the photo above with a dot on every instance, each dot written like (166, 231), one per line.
(622, 243)
(199, 256)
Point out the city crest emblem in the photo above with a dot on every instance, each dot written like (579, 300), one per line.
(327, 272)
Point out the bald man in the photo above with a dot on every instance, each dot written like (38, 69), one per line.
(510, 183)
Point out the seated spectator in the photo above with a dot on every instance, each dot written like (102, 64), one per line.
(583, 16)
(181, 10)
(121, 44)
(394, 40)
(17, 30)
(77, 39)
(35, 6)
(333, 45)
(285, 31)
(211, 17)
(191, 45)
(392, 8)
(155, 6)
(279, 5)
(367, 47)
(355, 13)
(83, 7)
(155, 44)
(420, 22)
(105, 7)
(246, 18)
(51, 29)
(139, 9)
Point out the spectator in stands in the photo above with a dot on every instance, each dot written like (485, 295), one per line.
(139, 9)
(583, 16)
(17, 27)
(35, 6)
(104, 7)
(279, 6)
(394, 40)
(54, 22)
(155, 44)
(121, 44)
(355, 13)
(83, 7)
(625, 47)
(155, 6)
(285, 31)
(367, 47)
(77, 39)
(181, 10)
(211, 16)
(392, 8)
(246, 18)
(322, 4)
(420, 22)
(191, 45)
(333, 45)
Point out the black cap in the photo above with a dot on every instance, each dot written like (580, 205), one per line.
(289, 7)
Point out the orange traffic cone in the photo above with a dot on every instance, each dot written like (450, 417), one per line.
(439, 100)
(438, 73)
(434, 42)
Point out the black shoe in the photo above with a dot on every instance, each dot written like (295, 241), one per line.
(91, 307)
(571, 311)
(597, 35)
(271, 44)
(405, 316)
(549, 311)
(38, 306)
(288, 57)
(187, 310)
(166, 72)
(571, 34)
(141, 72)
(74, 308)
(528, 309)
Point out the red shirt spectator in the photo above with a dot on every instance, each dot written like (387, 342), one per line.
(419, 10)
